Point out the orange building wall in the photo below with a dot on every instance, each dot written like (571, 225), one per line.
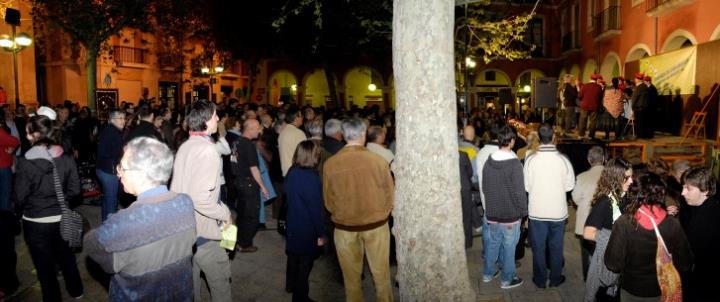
(25, 61)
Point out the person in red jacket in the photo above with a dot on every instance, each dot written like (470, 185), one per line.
(590, 96)
(8, 222)
(8, 143)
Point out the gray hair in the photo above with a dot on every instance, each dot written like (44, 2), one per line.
(353, 128)
(314, 127)
(151, 157)
(332, 126)
(596, 155)
(681, 165)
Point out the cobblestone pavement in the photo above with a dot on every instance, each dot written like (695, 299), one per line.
(260, 276)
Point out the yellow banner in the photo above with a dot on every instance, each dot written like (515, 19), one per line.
(672, 72)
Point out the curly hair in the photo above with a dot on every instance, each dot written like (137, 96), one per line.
(647, 189)
(611, 179)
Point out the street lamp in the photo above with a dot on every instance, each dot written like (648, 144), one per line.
(211, 72)
(469, 64)
(526, 88)
(15, 43)
(372, 87)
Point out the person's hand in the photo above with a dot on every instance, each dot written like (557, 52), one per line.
(321, 241)
(228, 223)
(265, 192)
(672, 210)
(9, 150)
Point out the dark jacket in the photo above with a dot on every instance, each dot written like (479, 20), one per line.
(570, 94)
(145, 129)
(332, 145)
(305, 209)
(34, 183)
(504, 189)
(640, 97)
(632, 249)
(702, 227)
(590, 96)
(148, 246)
(109, 149)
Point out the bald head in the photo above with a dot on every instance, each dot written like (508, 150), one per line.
(251, 128)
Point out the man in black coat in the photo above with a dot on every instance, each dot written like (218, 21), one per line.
(145, 128)
(639, 105)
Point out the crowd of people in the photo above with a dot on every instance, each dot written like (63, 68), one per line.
(175, 183)
(622, 106)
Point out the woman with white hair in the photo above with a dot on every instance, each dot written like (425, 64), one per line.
(148, 246)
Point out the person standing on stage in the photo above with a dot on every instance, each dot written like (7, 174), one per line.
(652, 105)
(639, 105)
(590, 96)
(570, 95)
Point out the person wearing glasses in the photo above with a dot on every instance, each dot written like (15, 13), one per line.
(109, 151)
(148, 245)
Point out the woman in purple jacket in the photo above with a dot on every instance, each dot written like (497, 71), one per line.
(305, 230)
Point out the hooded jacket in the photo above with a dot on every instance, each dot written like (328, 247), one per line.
(34, 184)
(502, 183)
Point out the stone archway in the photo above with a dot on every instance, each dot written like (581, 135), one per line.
(363, 86)
(590, 68)
(282, 85)
(315, 88)
(611, 66)
(678, 39)
(638, 52)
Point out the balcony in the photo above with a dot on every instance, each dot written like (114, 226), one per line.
(569, 41)
(607, 23)
(657, 8)
(131, 57)
(168, 61)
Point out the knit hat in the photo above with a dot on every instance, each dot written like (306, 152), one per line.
(639, 75)
(595, 76)
(46, 111)
(647, 79)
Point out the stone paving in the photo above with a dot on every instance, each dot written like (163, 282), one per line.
(260, 276)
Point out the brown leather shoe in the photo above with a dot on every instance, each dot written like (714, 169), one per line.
(250, 249)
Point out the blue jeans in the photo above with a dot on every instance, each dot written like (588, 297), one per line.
(6, 180)
(546, 237)
(502, 239)
(110, 184)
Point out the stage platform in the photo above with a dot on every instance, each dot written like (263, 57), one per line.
(667, 147)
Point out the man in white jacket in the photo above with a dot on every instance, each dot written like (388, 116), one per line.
(583, 194)
(548, 176)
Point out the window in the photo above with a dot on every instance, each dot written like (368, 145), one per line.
(490, 76)
(534, 36)
(590, 14)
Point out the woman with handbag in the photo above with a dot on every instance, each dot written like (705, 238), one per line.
(44, 179)
(646, 247)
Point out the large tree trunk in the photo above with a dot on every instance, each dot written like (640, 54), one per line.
(91, 77)
(252, 72)
(432, 264)
(332, 86)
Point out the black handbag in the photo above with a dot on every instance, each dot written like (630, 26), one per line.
(71, 222)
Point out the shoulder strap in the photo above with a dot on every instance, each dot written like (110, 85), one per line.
(58, 185)
(657, 231)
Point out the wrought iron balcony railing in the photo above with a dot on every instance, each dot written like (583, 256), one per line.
(606, 21)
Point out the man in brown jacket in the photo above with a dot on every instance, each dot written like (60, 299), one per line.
(197, 173)
(358, 192)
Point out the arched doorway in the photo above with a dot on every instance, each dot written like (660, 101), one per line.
(575, 71)
(488, 84)
(610, 67)
(637, 52)
(315, 88)
(679, 39)
(590, 68)
(524, 86)
(363, 86)
(283, 87)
